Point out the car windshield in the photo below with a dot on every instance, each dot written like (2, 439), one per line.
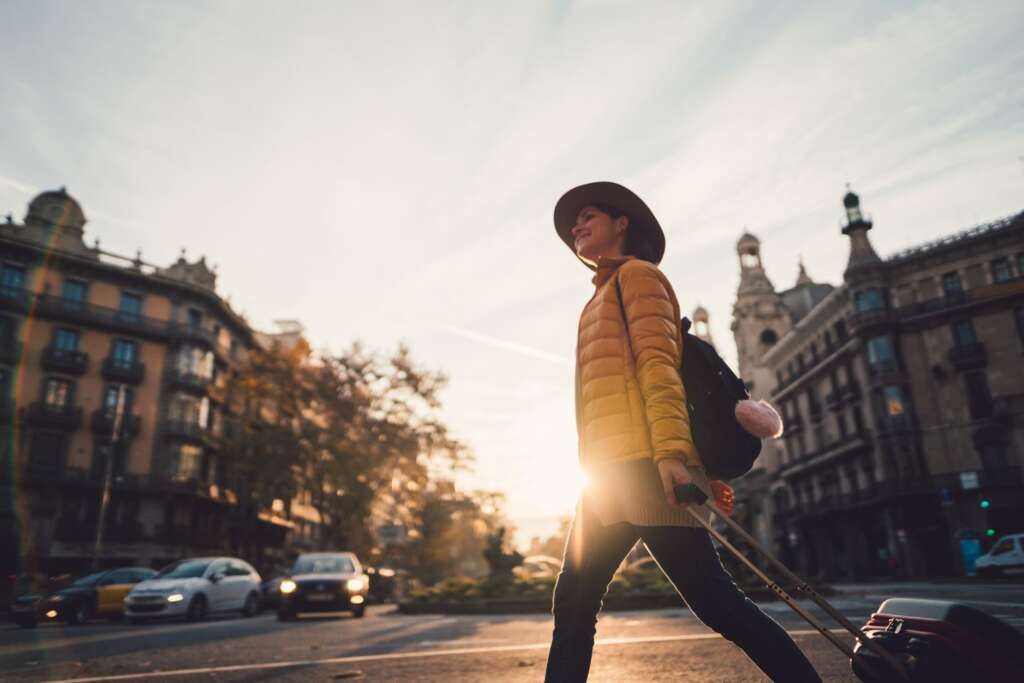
(190, 569)
(88, 580)
(336, 564)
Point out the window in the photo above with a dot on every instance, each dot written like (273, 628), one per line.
(236, 568)
(994, 456)
(1004, 546)
(195, 319)
(880, 353)
(74, 294)
(951, 284)
(124, 352)
(57, 393)
(841, 330)
(65, 339)
(749, 260)
(1001, 270)
(963, 333)
(131, 306)
(186, 461)
(195, 361)
(110, 399)
(12, 280)
(1020, 265)
(189, 409)
(868, 300)
(979, 399)
(895, 405)
(768, 338)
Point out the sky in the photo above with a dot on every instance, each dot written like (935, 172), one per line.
(387, 171)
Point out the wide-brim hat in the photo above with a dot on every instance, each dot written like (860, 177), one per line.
(641, 218)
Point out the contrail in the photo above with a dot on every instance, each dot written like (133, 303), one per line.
(509, 346)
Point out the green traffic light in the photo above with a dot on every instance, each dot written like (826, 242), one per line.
(990, 532)
(984, 504)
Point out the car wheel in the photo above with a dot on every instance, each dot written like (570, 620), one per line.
(359, 612)
(252, 605)
(285, 615)
(196, 609)
(81, 613)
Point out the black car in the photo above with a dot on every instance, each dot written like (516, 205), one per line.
(100, 594)
(323, 582)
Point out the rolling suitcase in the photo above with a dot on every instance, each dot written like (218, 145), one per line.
(915, 640)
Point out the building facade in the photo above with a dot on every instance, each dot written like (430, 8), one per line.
(902, 391)
(85, 334)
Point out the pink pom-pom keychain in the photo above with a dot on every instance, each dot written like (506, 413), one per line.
(759, 418)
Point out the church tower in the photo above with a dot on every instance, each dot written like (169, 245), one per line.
(759, 317)
(701, 325)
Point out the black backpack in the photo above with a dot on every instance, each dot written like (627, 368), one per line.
(712, 391)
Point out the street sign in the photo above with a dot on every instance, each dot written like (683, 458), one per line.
(968, 480)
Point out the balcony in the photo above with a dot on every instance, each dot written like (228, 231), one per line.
(66, 418)
(10, 351)
(865, 322)
(190, 381)
(886, 372)
(64, 361)
(968, 356)
(123, 372)
(193, 333)
(103, 424)
(188, 430)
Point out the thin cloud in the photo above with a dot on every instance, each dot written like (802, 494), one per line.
(521, 349)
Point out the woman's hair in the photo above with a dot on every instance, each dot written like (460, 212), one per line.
(635, 244)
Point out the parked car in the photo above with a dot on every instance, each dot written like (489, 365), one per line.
(1005, 557)
(324, 582)
(96, 595)
(270, 593)
(196, 587)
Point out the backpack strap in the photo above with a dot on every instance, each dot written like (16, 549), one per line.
(622, 310)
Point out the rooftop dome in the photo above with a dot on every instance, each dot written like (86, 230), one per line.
(851, 200)
(56, 207)
(747, 238)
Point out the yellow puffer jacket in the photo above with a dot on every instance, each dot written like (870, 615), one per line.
(630, 401)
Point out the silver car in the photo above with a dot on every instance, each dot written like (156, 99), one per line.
(194, 588)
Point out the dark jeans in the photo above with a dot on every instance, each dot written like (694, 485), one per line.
(688, 558)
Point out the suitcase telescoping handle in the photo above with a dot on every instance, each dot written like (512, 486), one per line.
(693, 496)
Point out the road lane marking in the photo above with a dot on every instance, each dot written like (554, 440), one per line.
(396, 655)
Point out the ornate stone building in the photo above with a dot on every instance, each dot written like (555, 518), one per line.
(760, 317)
(79, 327)
(903, 392)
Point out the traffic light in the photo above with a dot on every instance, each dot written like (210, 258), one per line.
(990, 531)
(984, 504)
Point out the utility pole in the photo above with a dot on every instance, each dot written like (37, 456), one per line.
(115, 438)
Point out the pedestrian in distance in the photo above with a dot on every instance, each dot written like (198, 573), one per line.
(635, 446)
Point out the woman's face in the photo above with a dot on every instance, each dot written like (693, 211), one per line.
(597, 234)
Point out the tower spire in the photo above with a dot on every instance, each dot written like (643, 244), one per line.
(856, 227)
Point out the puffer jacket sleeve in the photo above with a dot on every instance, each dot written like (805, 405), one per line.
(655, 338)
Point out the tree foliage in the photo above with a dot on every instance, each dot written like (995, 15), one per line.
(358, 435)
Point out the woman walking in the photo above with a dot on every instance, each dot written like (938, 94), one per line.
(635, 445)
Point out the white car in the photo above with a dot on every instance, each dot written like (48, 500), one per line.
(194, 588)
(1005, 557)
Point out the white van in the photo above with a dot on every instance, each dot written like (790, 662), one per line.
(1006, 557)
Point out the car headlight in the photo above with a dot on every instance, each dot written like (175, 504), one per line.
(175, 597)
(288, 586)
(354, 585)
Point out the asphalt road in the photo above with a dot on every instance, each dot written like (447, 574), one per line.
(386, 646)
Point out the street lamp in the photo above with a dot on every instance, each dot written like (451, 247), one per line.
(115, 436)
